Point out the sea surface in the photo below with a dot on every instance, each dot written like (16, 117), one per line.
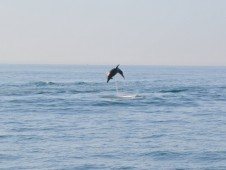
(67, 117)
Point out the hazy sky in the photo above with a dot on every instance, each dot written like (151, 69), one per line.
(153, 32)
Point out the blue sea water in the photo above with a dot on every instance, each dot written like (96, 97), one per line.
(66, 117)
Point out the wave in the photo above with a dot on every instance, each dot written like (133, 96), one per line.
(222, 87)
(186, 89)
(43, 83)
(51, 88)
(173, 90)
(167, 155)
(49, 83)
(113, 103)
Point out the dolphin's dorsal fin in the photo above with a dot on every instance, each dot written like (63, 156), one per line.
(117, 66)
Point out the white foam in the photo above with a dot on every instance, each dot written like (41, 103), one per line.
(119, 96)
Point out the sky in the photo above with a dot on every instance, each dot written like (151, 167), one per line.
(128, 32)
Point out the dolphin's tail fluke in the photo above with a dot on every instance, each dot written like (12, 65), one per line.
(121, 73)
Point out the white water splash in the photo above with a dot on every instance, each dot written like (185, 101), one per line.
(116, 88)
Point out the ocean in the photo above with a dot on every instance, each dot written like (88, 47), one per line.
(67, 117)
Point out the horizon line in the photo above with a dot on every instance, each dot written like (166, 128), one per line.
(80, 64)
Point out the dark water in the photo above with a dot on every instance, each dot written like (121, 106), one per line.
(68, 117)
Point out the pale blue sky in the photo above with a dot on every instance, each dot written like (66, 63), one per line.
(150, 32)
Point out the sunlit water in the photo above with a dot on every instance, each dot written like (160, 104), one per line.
(68, 117)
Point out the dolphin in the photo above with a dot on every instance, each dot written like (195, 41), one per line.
(113, 72)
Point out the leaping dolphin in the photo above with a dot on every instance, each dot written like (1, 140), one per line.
(113, 72)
